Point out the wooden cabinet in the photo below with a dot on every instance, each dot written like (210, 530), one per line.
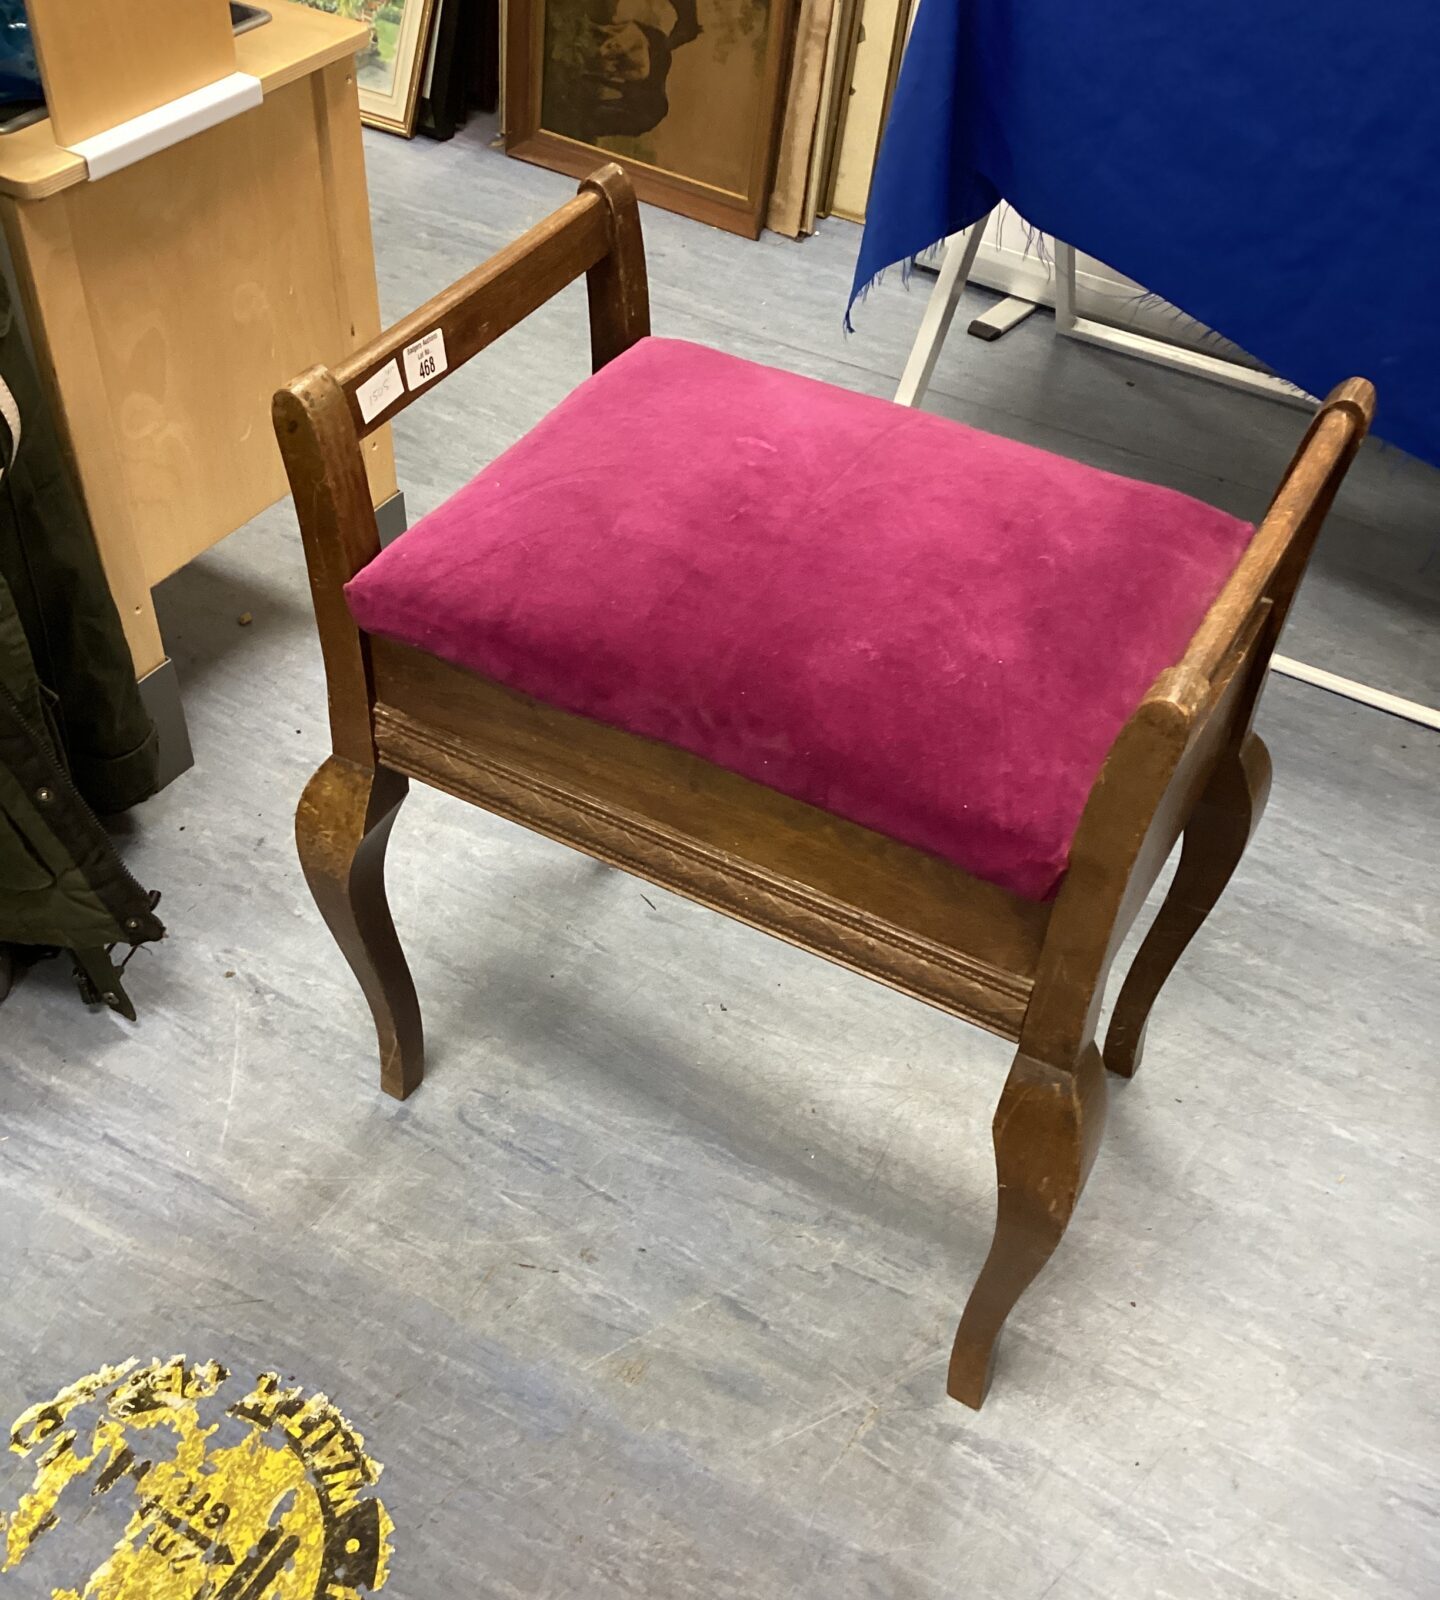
(169, 300)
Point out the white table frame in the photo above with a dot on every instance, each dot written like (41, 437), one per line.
(955, 269)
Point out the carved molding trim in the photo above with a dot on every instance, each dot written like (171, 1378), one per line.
(987, 996)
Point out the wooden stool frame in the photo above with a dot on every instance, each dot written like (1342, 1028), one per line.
(1186, 766)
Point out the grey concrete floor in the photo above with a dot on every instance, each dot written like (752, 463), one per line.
(649, 1290)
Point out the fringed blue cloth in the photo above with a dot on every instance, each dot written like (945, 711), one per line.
(1272, 169)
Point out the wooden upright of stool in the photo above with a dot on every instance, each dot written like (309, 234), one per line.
(707, 623)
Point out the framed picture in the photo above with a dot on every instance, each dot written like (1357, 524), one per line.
(437, 112)
(389, 71)
(463, 70)
(685, 94)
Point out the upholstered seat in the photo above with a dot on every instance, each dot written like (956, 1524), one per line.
(925, 629)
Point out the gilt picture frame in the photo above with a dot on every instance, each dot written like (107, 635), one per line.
(390, 70)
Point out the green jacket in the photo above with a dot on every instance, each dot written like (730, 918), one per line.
(74, 736)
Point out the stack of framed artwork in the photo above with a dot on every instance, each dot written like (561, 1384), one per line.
(740, 113)
(843, 73)
(462, 70)
(418, 73)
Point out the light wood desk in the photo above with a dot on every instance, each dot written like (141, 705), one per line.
(167, 302)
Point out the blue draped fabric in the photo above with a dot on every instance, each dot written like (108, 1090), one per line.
(19, 74)
(1273, 169)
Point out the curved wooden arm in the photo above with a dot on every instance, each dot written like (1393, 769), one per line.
(1197, 715)
(597, 233)
(319, 422)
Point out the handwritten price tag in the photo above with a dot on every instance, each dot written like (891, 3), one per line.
(385, 387)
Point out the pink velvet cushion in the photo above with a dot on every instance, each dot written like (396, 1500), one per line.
(929, 630)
